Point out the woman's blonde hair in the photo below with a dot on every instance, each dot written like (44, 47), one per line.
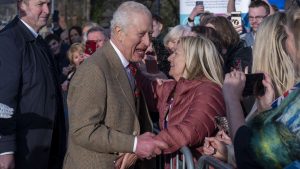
(175, 33)
(201, 59)
(75, 47)
(270, 55)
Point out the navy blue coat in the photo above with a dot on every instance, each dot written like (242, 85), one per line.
(29, 89)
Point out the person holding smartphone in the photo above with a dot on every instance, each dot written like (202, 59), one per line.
(197, 10)
(280, 76)
(271, 138)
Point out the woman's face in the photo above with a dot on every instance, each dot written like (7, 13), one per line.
(54, 46)
(74, 36)
(177, 63)
(171, 46)
(77, 58)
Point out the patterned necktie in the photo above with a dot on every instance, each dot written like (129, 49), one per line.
(133, 69)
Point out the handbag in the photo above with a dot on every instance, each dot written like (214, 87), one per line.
(125, 161)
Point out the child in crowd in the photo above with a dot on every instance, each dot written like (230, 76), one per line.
(76, 56)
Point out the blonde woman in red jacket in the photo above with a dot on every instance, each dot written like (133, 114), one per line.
(188, 104)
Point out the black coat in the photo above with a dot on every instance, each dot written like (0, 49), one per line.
(28, 85)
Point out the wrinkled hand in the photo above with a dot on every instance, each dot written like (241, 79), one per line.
(7, 161)
(148, 147)
(198, 9)
(214, 147)
(222, 136)
(233, 86)
(265, 101)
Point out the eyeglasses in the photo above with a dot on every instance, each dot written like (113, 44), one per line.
(259, 18)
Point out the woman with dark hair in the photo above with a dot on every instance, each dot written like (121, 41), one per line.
(75, 34)
(235, 54)
(209, 33)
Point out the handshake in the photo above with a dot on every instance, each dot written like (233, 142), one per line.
(148, 147)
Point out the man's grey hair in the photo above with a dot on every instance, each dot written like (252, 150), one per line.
(98, 29)
(125, 12)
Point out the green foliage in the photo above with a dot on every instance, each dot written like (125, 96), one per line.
(102, 10)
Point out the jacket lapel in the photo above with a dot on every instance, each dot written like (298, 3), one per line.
(120, 75)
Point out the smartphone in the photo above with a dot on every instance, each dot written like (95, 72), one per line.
(199, 3)
(254, 86)
(236, 18)
(90, 47)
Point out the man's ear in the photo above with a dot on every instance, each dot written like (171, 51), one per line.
(119, 33)
(21, 8)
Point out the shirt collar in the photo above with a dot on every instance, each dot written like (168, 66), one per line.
(124, 61)
(34, 33)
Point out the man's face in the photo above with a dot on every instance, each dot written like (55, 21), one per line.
(256, 16)
(135, 38)
(35, 12)
(157, 27)
(98, 37)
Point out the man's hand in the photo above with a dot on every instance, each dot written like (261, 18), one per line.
(148, 147)
(7, 161)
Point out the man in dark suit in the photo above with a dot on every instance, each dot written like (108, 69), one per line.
(31, 115)
(106, 118)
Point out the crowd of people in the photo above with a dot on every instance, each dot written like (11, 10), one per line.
(89, 97)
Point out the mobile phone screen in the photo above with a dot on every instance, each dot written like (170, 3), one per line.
(199, 3)
(254, 85)
(90, 47)
(236, 18)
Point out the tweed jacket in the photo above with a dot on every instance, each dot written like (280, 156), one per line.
(103, 116)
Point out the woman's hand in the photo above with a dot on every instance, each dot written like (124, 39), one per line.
(233, 86)
(265, 101)
(198, 9)
(214, 147)
(238, 28)
(222, 136)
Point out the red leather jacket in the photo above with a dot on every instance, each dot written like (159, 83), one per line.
(191, 118)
